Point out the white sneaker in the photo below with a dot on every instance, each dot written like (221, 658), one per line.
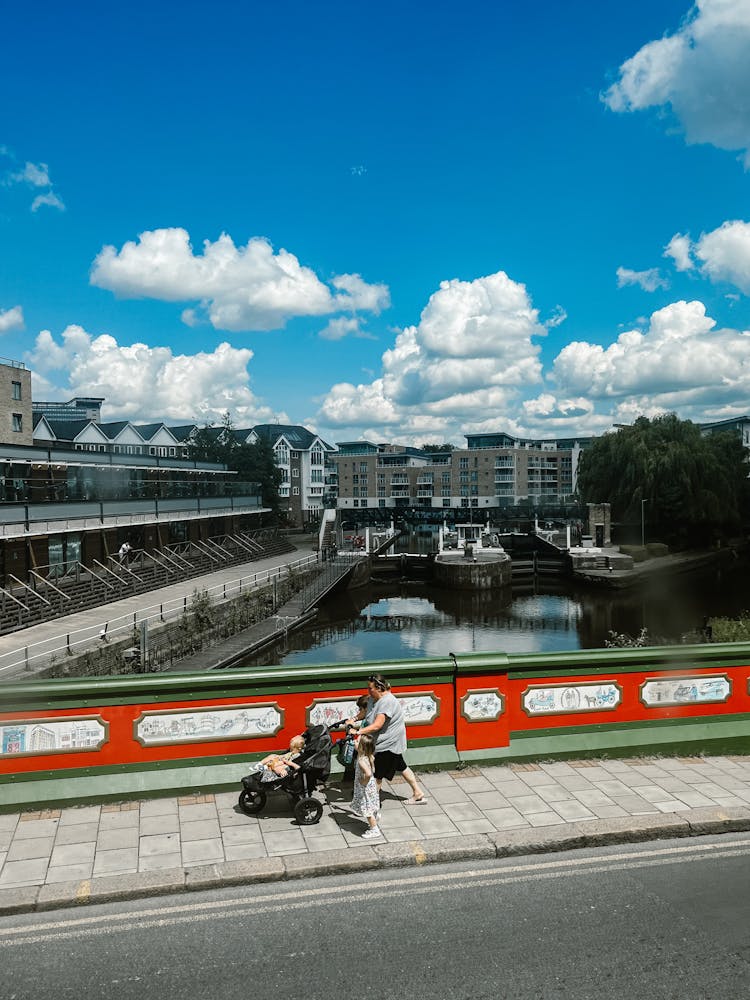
(371, 833)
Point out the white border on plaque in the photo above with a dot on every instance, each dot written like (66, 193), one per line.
(705, 689)
(73, 734)
(204, 725)
(482, 705)
(570, 699)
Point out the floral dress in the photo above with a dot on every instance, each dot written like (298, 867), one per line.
(366, 800)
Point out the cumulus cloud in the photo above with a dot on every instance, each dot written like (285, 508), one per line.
(471, 352)
(11, 319)
(238, 288)
(701, 72)
(648, 280)
(142, 382)
(679, 362)
(679, 249)
(722, 254)
(725, 254)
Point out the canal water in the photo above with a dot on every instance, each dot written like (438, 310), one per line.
(404, 620)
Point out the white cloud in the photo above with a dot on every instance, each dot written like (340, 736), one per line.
(142, 382)
(11, 319)
(680, 362)
(702, 72)
(648, 280)
(679, 249)
(471, 352)
(238, 288)
(343, 326)
(725, 254)
(49, 198)
(35, 175)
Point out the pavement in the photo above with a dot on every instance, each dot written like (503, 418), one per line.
(55, 858)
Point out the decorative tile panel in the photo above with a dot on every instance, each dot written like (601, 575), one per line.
(565, 699)
(203, 725)
(25, 737)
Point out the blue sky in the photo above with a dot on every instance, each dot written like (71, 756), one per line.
(393, 221)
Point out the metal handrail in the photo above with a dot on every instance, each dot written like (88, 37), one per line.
(30, 589)
(48, 583)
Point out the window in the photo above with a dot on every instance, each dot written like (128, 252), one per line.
(295, 491)
(355, 478)
(295, 473)
(363, 466)
(463, 463)
(16, 390)
(281, 454)
(17, 422)
(316, 457)
(446, 503)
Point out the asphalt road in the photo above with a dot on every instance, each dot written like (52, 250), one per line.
(664, 920)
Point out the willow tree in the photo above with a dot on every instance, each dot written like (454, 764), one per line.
(696, 485)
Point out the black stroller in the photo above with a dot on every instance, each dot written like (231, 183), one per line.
(314, 767)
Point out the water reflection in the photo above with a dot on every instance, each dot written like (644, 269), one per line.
(412, 620)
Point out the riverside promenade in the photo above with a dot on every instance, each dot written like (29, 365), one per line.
(92, 854)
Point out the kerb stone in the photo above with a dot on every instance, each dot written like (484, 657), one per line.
(137, 885)
(353, 859)
(235, 873)
(718, 819)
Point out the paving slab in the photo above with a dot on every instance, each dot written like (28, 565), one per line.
(195, 842)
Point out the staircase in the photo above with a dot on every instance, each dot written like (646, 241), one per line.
(81, 587)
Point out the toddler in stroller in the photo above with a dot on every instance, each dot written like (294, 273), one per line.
(298, 777)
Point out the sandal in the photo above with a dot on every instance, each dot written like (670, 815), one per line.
(415, 802)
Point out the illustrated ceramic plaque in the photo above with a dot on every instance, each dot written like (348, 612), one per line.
(562, 699)
(482, 706)
(686, 690)
(238, 722)
(43, 736)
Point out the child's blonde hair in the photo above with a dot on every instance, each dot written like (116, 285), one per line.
(366, 746)
(297, 743)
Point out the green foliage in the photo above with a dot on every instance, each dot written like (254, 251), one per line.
(731, 629)
(437, 447)
(621, 640)
(253, 463)
(696, 485)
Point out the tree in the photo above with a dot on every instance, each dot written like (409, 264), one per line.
(253, 463)
(437, 447)
(696, 485)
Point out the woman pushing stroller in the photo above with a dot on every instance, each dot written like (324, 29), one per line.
(383, 720)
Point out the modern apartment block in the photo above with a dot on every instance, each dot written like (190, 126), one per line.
(301, 456)
(494, 470)
(16, 419)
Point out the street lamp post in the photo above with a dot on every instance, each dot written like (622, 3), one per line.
(643, 523)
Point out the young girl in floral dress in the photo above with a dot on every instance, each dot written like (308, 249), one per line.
(366, 799)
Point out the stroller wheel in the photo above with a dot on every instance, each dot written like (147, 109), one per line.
(308, 811)
(251, 802)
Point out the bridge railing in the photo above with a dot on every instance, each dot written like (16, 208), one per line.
(116, 737)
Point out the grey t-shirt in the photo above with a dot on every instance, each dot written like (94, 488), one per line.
(393, 734)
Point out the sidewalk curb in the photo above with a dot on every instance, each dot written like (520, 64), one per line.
(414, 853)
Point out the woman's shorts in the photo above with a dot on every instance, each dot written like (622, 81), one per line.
(387, 763)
